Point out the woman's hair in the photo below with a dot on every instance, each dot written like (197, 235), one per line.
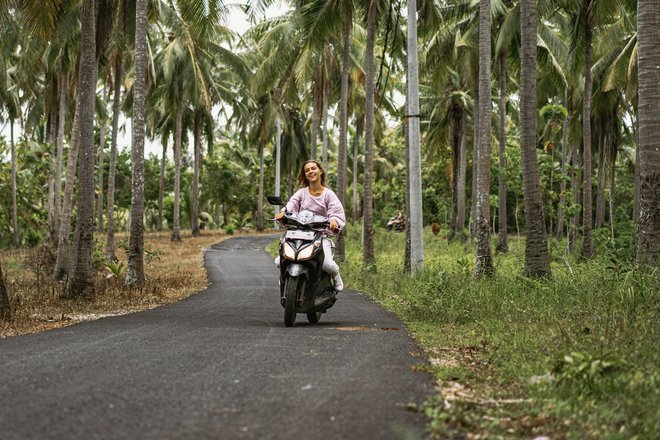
(302, 179)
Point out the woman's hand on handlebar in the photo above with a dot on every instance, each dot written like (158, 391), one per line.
(279, 215)
(333, 225)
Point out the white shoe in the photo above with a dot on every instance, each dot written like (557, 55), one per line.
(339, 284)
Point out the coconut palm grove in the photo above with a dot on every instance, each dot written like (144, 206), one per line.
(519, 138)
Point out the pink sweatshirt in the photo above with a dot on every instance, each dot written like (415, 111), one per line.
(327, 204)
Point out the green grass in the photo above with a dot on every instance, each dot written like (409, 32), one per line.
(571, 357)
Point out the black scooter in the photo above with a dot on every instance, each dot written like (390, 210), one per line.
(304, 286)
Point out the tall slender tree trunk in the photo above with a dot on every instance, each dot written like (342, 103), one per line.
(176, 220)
(317, 96)
(600, 189)
(638, 165)
(62, 260)
(342, 152)
(278, 161)
(260, 195)
(537, 257)
(57, 187)
(99, 195)
(577, 194)
(416, 224)
(503, 235)
(368, 254)
(52, 164)
(355, 211)
(14, 200)
(81, 275)
(135, 271)
(612, 191)
(648, 236)
(587, 245)
(455, 148)
(484, 260)
(197, 161)
(161, 187)
(475, 165)
(324, 151)
(462, 172)
(562, 184)
(407, 266)
(112, 167)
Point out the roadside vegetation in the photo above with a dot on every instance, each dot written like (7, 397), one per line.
(174, 270)
(574, 356)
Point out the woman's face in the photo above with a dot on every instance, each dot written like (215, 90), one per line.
(312, 172)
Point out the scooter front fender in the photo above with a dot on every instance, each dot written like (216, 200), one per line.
(295, 270)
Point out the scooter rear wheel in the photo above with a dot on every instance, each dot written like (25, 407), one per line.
(290, 300)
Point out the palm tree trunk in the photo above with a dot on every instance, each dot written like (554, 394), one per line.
(62, 260)
(324, 152)
(368, 255)
(416, 224)
(52, 164)
(81, 276)
(278, 161)
(600, 189)
(161, 187)
(135, 270)
(562, 184)
(316, 98)
(260, 195)
(197, 160)
(462, 171)
(342, 152)
(455, 148)
(587, 246)
(14, 201)
(407, 267)
(484, 260)
(612, 192)
(537, 257)
(176, 233)
(648, 237)
(112, 167)
(475, 165)
(356, 197)
(503, 236)
(57, 188)
(577, 194)
(99, 196)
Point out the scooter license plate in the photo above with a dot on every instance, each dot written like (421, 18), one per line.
(300, 235)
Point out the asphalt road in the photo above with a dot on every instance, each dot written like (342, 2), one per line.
(218, 365)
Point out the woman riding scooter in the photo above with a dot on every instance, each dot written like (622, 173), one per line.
(314, 196)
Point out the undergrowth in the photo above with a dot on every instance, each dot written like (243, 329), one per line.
(574, 356)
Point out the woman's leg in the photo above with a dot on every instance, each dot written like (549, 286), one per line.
(330, 266)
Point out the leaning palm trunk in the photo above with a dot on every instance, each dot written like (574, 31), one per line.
(161, 187)
(648, 237)
(135, 270)
(196, 168)
(537, 257)
(342, 151)
(503, 236)
(176, 233)
(484, 260)
(112, 167)
(587, 245)
(81, 276)
(416, 223)
(368, 255)
(62, 260)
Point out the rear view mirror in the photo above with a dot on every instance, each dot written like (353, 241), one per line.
(275, 200)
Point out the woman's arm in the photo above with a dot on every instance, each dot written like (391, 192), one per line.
(335, 209)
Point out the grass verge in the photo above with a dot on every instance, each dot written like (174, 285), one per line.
(574, 356)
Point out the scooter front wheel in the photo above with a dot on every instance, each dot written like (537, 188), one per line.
(314, 317)
(291, 300)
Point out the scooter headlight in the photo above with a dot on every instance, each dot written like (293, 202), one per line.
(289, 252)
(306, 253)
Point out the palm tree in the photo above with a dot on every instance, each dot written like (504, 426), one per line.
(537, 258)
(135, 270)
(484, 259)
(648, 237)
(368, 255)
(81, 281)
(416, 226)
(112, 166)
(14, 204)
